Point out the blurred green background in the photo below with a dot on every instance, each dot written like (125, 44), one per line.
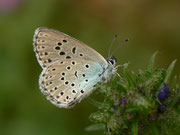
(150, 25)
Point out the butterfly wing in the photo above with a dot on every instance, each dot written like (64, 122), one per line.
(51, 46)
(67, 82)
(71, 69)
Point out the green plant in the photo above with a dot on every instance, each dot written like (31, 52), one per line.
(140, 103)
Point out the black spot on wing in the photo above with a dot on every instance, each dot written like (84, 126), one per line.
(74, 50)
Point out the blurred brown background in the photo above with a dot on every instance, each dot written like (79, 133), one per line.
(150, 25)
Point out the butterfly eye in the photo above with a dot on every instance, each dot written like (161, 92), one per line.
(112, 62)
(82, 91)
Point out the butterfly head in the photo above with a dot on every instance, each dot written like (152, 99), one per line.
(110, 70)
(112, 61)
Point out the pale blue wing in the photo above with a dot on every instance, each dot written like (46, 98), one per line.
(69, 81)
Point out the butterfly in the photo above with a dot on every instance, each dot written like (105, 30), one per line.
(71, 69)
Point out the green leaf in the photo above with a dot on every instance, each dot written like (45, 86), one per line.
(154, 131)
(139, 79)
(174, 102)
(120, 87)
(95, 127)
(134, 128)
(151, 62)
(129, 79)
(174, 84)
(169, 71)
(94, 102)
(132, 109)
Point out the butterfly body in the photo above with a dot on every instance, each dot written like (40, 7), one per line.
(71, 69)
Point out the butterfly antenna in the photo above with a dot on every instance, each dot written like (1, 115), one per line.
(111, 45)
(119, 47)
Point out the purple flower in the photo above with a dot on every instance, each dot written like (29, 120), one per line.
(161, 95)
(116, 102)
(165, 88)
(114, 107)
(123, 100)
(164, 92)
